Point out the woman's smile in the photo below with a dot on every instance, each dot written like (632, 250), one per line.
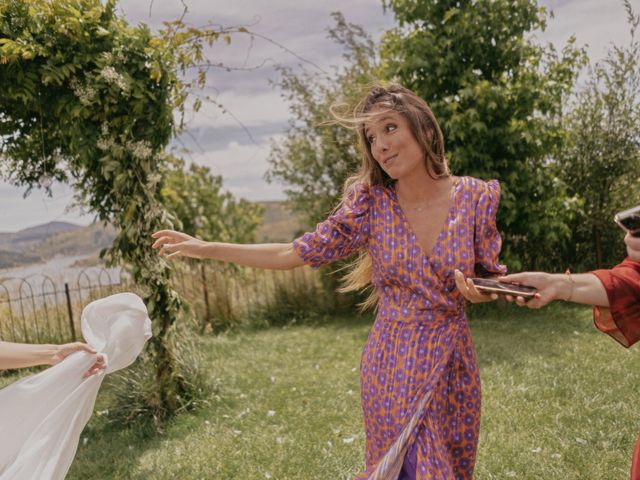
(390, 160)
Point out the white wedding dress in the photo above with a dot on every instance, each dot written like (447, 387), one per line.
(42, 416)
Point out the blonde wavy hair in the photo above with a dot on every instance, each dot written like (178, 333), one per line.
(425, 129)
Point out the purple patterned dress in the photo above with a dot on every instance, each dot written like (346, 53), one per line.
(419, 381)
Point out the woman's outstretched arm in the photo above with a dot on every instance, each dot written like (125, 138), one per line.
(277, 256)
(582, 288)
(22, 355)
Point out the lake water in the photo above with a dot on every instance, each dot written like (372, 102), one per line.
(60, 270)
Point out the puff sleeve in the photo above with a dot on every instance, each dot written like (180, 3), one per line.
(622, 319)
(487, 240)
(345, 232)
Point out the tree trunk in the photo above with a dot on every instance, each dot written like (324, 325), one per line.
(598, 246)
(170, 384)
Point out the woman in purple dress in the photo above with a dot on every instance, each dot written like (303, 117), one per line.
(414, 224)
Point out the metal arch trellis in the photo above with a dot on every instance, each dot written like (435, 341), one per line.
(80, 288)
(50, 304)
(101, 287)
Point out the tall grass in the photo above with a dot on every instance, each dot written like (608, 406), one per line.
(224, 297)
(220, 297)
(133, 392)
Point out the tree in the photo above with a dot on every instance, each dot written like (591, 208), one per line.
(316, 157)
(87, 99)
(196, 198)
(601, 158)
(498, 97)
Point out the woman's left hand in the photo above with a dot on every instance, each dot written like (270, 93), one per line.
(63, 351)
(469, 290)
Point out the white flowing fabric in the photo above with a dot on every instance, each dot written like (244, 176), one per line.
(42, 416)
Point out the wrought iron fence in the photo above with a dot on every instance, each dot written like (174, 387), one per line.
(221, 295)
(41, 309)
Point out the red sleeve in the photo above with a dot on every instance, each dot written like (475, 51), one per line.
(622, 319)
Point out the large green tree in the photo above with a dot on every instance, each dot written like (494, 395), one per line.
(316, 156)
(89, 100)
(498, 97)
(600, 161)
(204, 209)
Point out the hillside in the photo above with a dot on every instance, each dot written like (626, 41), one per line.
(39, 243)
(278, 224)
(29, 236)
(15, 259)
(42, 242)
(85, 240)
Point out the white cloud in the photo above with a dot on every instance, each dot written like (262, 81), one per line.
(597, 23)
(243, 168)
(298, 25)
(241, 108)
(37, 208)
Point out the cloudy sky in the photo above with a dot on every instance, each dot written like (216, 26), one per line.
(236, 144)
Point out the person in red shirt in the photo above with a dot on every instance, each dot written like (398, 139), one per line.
(614, 294)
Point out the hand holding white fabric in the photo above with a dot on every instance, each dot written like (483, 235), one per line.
(42, 416)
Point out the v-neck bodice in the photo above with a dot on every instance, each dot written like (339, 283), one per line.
(444, 228)
(406, 278)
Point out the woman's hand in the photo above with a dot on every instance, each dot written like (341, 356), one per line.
(178, 244)
(63, 351)
(469, 290)
(633, 247)
(549, 287)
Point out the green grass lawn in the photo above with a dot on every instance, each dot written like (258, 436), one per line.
(560, 401)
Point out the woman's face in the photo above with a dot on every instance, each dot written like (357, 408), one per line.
(392, 144)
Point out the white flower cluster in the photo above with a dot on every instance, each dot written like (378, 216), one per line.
(85, 93)
(153, 180)
(140, 149)
(105, 143)
(57, 156)
(117, 55)
(112, 76)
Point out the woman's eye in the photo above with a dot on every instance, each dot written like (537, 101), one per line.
(391, 127)
(371, 139)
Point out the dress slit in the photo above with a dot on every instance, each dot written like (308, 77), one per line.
(390, 465)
